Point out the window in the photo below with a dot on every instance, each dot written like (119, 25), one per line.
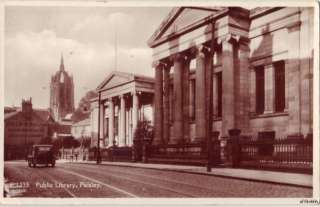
(279, 74)
(219, 93)
(277, 82)
(259, 89)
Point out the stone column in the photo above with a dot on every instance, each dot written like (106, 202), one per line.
(269, 89)
(178, 62)
(158, 103)
(166, 103)
(228, 84)
(306, 68)
(111, 122)
(252, 91)
(186, 99)
(122, 129)
(192, 99)
(243, 85)
(135, 111)
(200, 94)
(102, 120)
(294, 99)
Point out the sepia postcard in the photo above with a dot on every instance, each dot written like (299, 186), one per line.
(159, 103)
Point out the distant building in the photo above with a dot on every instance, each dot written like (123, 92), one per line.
(125, 99)
(24, 127)
(81, 129)
(61, 94)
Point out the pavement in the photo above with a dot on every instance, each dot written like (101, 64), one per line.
(118, 180)
(286, 178)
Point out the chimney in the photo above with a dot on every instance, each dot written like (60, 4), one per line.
(27, 107)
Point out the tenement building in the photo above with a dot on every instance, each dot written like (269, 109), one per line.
(123, 100)
(24, 127)
(61, 94)
(233, 68)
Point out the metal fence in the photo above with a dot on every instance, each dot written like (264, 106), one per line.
(290, 153)
(185, 153)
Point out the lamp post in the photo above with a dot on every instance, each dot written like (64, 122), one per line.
(98, 144)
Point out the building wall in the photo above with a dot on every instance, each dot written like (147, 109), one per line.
(285, 35)
(20, 133)
(79, 131)
(280, 35)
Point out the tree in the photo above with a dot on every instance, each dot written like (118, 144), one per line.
(143, 134)
(83, 110)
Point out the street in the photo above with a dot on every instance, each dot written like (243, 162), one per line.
(89, 180)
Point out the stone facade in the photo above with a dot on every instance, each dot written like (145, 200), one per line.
(81, 129)
(24, 127)
(124, 100)
(253, 71)
(61, 94)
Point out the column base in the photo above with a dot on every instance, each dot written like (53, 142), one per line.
(268, 112)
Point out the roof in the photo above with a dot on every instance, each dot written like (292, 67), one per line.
(182, 20)
(128, 76)
(63, 129)
(9, 109)
(82, 122)
(43, 114)
(68, 116)
(11, 114)
(173, 16)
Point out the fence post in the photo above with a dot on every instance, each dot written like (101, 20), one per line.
(235, 147)
(145, 152)
(210, 149)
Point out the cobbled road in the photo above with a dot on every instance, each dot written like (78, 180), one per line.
(88, 180)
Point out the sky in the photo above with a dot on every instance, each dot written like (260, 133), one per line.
(35, 38)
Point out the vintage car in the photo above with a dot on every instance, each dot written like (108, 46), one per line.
(41, 154)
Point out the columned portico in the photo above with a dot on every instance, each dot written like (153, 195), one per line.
(191, 88)
(127, 99)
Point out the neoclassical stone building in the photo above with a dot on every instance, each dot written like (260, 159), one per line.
(124, 99)
(230, 67)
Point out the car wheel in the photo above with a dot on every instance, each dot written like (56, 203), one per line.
(53, 164)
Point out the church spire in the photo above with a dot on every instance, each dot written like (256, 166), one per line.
(61, 63)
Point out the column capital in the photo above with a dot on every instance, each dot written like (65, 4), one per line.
(160, 64)
(201, 50)
(233, 39)
(179, 57)
(137, 93)
(294, 26)
(110, 99)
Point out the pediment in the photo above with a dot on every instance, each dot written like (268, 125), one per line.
(115, 79)
(179, 19)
